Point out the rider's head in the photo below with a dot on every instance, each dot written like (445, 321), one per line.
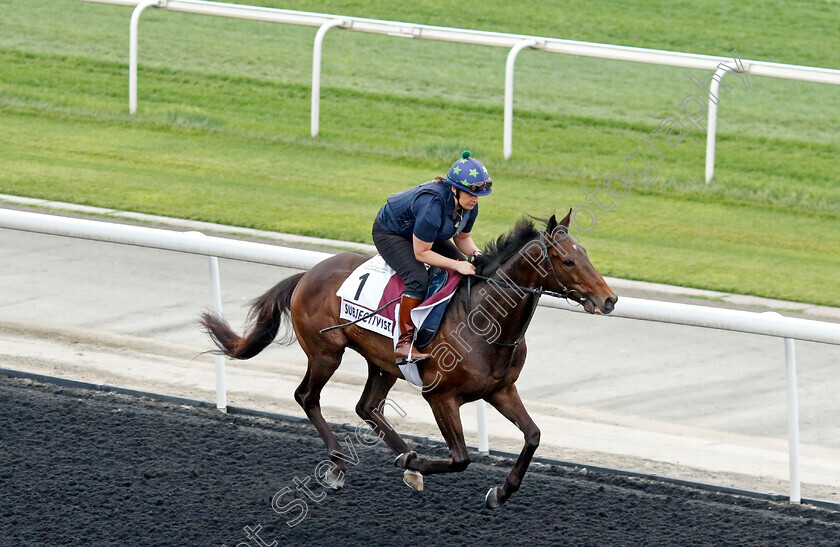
(470, 175)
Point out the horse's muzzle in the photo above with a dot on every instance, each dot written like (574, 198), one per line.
(591, 307)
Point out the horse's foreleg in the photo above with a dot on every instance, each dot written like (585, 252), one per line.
(371, 407)
(448, 419)
(508, 403)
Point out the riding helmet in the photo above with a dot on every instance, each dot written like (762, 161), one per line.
(469, 171)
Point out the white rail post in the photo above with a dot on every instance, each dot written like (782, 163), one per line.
(711, 130)
(793, 416)
(132, 52)
(483, 441)
(507, 146)
(216, 307)
(793, 421)
(221, 388)
(316, 73)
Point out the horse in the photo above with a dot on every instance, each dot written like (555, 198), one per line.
(478, 351)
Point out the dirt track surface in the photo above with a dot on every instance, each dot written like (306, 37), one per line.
(82, 467)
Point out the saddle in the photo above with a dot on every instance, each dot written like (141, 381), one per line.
(374, 284)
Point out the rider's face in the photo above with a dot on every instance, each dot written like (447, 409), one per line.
(466, 201)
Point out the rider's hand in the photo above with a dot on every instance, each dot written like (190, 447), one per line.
(464, 268)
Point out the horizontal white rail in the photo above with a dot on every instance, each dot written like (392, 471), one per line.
(716, 318)
(156, 238)
(487, 38)
(633, 308)
(514, 41)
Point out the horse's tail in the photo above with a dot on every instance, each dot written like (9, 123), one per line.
(264, 318)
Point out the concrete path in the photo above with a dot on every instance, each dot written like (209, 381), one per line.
(679, 401)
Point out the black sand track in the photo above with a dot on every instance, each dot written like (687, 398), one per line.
(90, 468)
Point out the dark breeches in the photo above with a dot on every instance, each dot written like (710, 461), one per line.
(398, 253)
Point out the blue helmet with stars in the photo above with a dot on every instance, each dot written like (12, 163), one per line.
(469, 175)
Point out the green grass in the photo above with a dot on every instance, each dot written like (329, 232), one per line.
(222, 132)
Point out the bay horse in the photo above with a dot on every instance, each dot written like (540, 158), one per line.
(477, 353)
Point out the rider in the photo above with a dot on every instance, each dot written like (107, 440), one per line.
(415, 226)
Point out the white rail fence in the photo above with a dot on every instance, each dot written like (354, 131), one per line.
(516, 43)
(770, 324)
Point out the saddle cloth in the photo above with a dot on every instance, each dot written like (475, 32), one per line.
(373, 284)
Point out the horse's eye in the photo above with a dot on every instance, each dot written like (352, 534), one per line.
(568, 263)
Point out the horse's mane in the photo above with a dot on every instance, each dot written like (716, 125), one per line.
(500, 251)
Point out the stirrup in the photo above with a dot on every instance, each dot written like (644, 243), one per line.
(410, 358)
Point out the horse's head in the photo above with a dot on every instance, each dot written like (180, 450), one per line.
(573, 274)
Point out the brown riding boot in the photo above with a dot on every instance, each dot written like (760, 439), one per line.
(404, 344)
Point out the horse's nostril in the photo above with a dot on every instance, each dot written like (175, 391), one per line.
(609, 304)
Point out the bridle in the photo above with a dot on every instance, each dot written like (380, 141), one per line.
(564, 292)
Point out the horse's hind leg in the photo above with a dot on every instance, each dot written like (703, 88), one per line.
(371, 407)
(447, 415)
(321, 367)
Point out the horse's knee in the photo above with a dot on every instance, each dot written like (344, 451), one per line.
(299, 397)
(361, 412)
(532, 438)
(460, 463)
(307, 403)
(364, 411)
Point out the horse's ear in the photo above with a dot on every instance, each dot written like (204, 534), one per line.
(565, 221)
(551, 224)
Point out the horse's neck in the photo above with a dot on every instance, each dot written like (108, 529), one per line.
(501, 300)
(521, 273)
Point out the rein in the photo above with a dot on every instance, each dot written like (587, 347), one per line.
(362, 318)
(506, 285)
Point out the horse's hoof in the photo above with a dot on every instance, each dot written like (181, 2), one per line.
(403, 459)
(335, 478)
(414, 479)
(491, 500)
